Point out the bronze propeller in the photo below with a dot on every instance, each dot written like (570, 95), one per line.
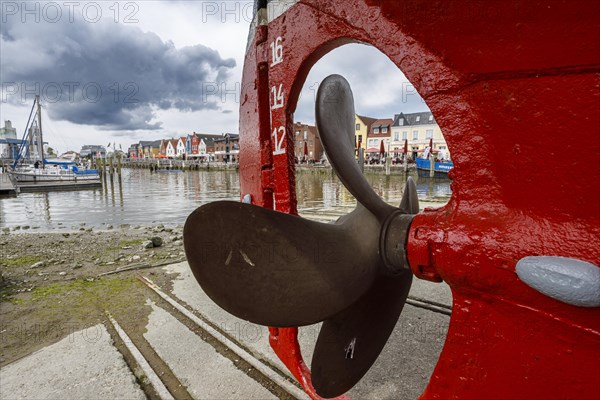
(281, 270)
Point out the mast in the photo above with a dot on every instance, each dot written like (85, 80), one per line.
(40, 138)
(26, 134)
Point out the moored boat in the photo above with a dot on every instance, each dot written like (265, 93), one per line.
(44, 174)
(438, 166)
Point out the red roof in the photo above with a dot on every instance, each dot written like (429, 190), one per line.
(384, 121)
(368, 121)
(381, 123)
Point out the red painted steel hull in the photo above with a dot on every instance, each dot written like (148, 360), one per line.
(514, 86)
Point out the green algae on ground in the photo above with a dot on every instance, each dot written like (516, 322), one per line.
(19, 261)
(131, 242)
(80, 290)
(85, 290)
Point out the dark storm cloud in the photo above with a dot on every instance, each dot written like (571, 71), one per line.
(114, 76)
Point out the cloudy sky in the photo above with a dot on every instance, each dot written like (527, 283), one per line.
(129, 71)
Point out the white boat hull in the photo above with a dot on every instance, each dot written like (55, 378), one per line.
(50, 177)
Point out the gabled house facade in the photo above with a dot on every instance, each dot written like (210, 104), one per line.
(362, 126)
(227, 148)
(203, 148)
(139, 149)
(191, 145)
(200, 145)
(307, 144)
(380, 132)
(163, 148)
(181, 146)
(206, 147)
(419, 129)
(171, 148)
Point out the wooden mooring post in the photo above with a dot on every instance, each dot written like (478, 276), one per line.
(388, 165)
(361, 159)
(431, 165)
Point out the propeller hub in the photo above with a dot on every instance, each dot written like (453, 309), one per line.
(393, 240)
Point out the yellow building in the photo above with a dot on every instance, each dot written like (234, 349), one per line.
(151, 149)
(363, 124)
(419, 128)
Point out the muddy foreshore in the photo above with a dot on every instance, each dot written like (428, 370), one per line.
(53, 283)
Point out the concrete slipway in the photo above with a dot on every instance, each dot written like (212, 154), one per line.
(210, 354)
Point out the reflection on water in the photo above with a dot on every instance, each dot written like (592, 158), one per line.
(324, 190)
(145, 198)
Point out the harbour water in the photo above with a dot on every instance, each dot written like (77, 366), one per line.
(144, 198)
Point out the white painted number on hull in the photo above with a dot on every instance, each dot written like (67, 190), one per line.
(277, 97)
(276, 51)
(278, 136)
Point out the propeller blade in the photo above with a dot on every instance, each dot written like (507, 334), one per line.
(410, 200)
(334, 112)
(278, 269)
(350, 342)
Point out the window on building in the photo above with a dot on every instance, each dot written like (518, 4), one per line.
(400, 122)
(360, 138)
(429, 134)
(418, 118)
(404, 135)
(396, 136)
(305, 135)
(415, 135)
(358, 127)
(431, 117)
(384, 129)
(442, 147)
(297, 133)
(310, 143)
(375, 130)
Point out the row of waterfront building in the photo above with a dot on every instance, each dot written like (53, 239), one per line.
(380, 137)
(376, 137)
(220, 148)
(417, 130)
